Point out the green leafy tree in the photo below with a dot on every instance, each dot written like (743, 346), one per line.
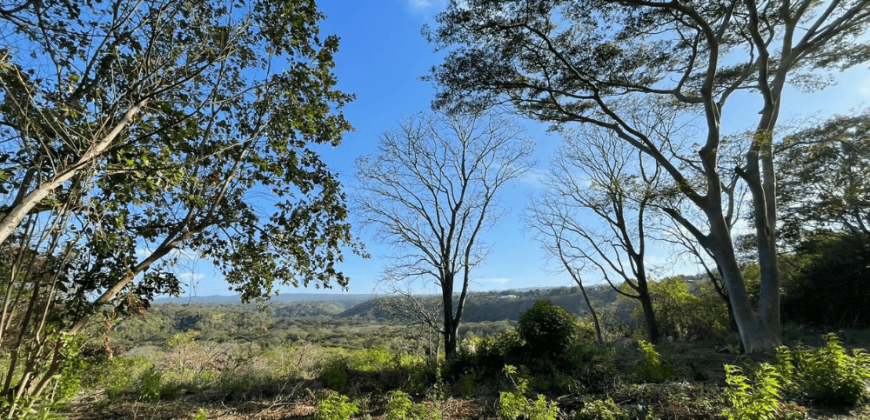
(823, 179)
(547, 329)
(430, 192)
(133, 131)
(594, 61)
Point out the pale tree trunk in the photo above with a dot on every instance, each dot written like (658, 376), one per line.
(757, 333)
(10, 221)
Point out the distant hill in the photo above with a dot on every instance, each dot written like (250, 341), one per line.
(287, 297)
(506, 305)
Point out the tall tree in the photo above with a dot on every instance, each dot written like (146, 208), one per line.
(431, 191)
(586, 61)
(134, 130)
(596, 212)
(824, 183)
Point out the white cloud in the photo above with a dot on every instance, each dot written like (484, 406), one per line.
(498, 280)
(191, 277)
(425, 6)
(865, 88)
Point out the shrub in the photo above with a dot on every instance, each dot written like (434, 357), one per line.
(400, 407)
(513, 404)
(601, 410)
(684, 315)
(757, 401)
(149, 388)
(830, 376)
(334, 375)
(335, 407)
(651, 368)
(119, 374)
(546, 328)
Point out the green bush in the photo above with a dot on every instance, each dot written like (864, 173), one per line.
(651, 368)
(335, 407)
(752, 401)
(400, 407)
(514, 404)
(684, 315)
(547, 329)
(119, 375)
(601, 410)
(830, 376)
(149, 387)
(334, 375)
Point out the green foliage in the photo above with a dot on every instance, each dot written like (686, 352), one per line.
(514, 404)
(651, 368)
(467, 384)
(201, 415)
(334, 375)
(601, 410)
(400, 407)
(150, 385)
(832, 279)
(547, 329)
(335, 407)
(119, 375)
(684, 315)
(758, 400)
(831, 376)
(370, 360)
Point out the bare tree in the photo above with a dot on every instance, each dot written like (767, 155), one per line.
(416, 311)
(594, 174)
(431, 190)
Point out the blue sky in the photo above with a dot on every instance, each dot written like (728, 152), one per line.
(382, 56)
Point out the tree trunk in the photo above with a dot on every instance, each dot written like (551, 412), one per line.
(450, 326)
(593, 313)
(757, 332)
(652, 329)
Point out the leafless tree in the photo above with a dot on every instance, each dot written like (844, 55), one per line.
(431, 190)
(594, 213)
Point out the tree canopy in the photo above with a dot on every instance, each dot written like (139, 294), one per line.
(135, 131)
(595, 61)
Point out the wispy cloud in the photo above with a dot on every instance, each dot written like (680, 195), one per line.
(534, 178)
(498, 280)
(425, 6)
(191, 277)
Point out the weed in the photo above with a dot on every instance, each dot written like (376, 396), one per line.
(601, 410)
(830, 376)
(757, 401)
(651, 368)
(400, 407)
(513, 404)
(467, 384)
(335, 407)
(149, 388)
(334, 375)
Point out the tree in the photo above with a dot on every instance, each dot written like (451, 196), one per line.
(594, 174)
(823, 179)
(825, 197)
(589, 61)
(430, 192)
(133, 131)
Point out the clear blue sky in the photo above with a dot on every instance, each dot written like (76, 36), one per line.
(382, 56)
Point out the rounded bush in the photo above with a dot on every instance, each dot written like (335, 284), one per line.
(546, 328)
